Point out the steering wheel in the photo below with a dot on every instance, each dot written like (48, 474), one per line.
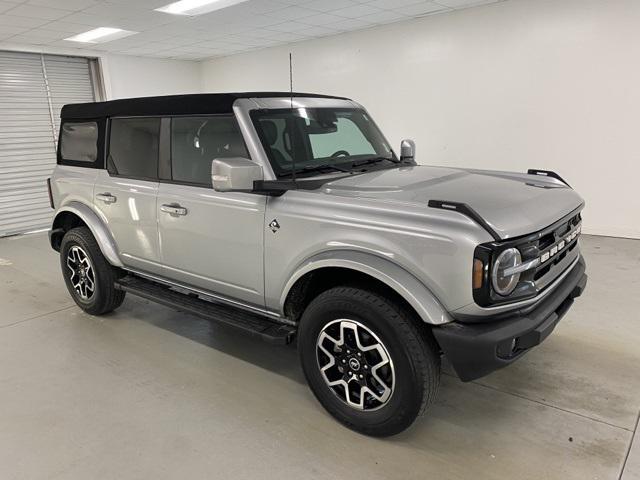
(340, 153)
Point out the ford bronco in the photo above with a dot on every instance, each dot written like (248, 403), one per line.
(289, 216)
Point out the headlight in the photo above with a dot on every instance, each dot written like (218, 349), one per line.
(503, 284)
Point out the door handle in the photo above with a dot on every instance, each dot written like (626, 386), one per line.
(106, 197)
(174, 210)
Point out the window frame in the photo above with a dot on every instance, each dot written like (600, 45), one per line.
(100, 160)
(108, 147)
(167, 169)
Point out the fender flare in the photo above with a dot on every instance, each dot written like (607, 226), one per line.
(99, 230)
(395, 277)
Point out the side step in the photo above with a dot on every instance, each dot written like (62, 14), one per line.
(251, 323)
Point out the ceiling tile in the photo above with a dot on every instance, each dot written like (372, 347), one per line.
(356, 11)
(247, 26)
(322, 19)
(292, 13)
(422, 8)
(7, 30)
(385, 16)
(66, 27)
(71, 5)
(349, 24)
(464, 3)
(329, 5)
(317, 31)
(4, 6)
(288, 27)
(13, 21)
(391, 4)
(38, 11)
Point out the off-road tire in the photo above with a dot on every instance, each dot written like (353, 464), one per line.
(410, 345)
(105, 297)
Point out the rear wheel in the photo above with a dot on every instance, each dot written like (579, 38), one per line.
(90, 279)
(367, 361)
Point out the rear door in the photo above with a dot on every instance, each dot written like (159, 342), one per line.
(210, 240)
(125, 194)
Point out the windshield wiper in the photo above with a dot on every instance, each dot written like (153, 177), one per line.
(317, 168)
(373, 160)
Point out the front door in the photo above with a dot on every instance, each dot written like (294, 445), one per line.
(210, 240)
(125, 194)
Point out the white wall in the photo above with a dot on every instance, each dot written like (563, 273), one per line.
(552, 84)
(127, 76)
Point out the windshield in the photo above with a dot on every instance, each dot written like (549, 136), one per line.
(318, 139)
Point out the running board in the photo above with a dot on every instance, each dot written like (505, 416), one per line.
(247, 322)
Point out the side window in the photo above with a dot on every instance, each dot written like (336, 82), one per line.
(347, 135)
(196, 141)
(79, 142)
(133, 147)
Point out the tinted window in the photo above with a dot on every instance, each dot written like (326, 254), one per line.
(133, 147)
(79, 141)
(196, 141)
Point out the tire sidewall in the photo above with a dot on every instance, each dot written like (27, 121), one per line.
(406, 399)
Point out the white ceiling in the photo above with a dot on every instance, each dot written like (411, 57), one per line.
(248, 26)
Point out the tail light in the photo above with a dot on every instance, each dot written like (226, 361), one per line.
(50, 193)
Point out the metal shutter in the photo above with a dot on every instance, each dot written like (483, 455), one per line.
(33, 88)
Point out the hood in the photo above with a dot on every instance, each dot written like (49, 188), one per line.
(513, 204)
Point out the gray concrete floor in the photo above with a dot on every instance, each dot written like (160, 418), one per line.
(151, 393)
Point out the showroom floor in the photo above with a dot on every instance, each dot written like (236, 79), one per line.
(151, 393)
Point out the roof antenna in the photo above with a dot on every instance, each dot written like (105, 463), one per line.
(293, 156)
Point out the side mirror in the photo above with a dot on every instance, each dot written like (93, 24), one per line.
(407, 150)
(234, 174)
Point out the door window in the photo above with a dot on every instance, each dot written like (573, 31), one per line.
(133, 147)
(196, 141)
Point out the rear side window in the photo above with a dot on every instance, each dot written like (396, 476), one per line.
(133, 147)
(196, 141)
(79, 142)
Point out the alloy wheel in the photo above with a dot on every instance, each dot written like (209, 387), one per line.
(82, 276)
(355, 364)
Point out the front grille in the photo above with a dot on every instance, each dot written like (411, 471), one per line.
(548, 254)
(557, 250)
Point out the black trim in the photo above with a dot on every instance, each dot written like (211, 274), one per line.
(164, 150)
(196, 104)
(251, 323)
(279, 187)
(474, 350)
(529, 249)
(547, 173)
(465, 209)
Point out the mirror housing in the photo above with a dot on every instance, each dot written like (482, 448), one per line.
(234, 174)
(407, 150)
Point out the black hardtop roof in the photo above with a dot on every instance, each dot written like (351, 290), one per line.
(194, 104)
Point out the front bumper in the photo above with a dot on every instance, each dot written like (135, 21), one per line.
(476, 349)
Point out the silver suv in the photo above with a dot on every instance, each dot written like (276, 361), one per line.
(289, 216)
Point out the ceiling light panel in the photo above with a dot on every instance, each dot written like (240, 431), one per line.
(100, 35)
(197, 7)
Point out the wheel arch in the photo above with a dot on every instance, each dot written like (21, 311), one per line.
(75, 214)
(318, 274)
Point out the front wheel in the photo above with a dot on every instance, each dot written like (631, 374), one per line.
(90, 279)
(366, 360)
